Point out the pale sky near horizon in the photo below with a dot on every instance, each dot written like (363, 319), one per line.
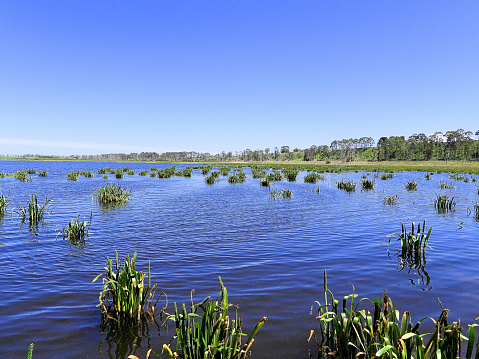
(90, 77)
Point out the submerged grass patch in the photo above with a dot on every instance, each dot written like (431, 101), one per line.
(125, 298)
(112, 194)
(209, 330)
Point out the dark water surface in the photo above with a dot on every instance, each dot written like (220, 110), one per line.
(270, 254)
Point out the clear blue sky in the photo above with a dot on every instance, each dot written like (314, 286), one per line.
(86, 77)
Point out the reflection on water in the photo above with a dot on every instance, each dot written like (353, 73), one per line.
(416, 265)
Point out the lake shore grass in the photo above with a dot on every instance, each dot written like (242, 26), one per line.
(383, 166)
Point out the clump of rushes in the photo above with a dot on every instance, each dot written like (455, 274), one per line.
(42, 174)
(413, 243)
(428, 175)
(209, 330)
(237, 177)
(3, 175)
(105, 176)
(274, 176)
(411, 185)
(76, 231)
(387, 176)
(125, 298)
(444, 203)
(348, 186)
(225, 171)
(206, 169)
(103, 171)
(119, 174)
(144, 173)
(380, 332)
(153, 174)
(112, 194)
(31, 171)
(167, 172)
(125, 169)
(130, 172)
(212, 178)
(276, 194)
(187, 172)
(474, 179)
(313, 177)
(367, 184)
(34, 212)
(264, 182)
(391, 200)
(476, 210)
(290, 174)
(445, 185)
(22, 176)
(258, 172)
(87, 174)
(73, 176)
(154, 169)
(4, 201)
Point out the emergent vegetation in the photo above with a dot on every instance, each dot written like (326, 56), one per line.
(413, 243)
(348, 186)
(444, 203)
(76, 231)
(34, 212)
(208, 331)
(111, 194)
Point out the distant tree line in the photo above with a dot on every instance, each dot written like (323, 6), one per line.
(451, 145)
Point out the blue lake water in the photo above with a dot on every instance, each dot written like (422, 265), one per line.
(271, 254)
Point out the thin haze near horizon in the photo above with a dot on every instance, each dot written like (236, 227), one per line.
(91, 77)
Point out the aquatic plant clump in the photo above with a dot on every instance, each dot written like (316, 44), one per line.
(387, 176)
(212, 178)
(238, 177)
(411, 185)
(445, 185)
(391, 200)
(76, 231)
(209, 330)
(144, 173)
(42, 174)
(73, 176)
(444, 203)
(414, 242)
(367, 184)
(87, 174)
(277, 194)
(380, 332)
(31, 171)
(258, 173)
(348, 186)
(4, 201)
(125, 297)
(22, 176)
(111, 194)
(313, 177)
(290, 174)
(3, 175)
(119, 174)
(34, 212)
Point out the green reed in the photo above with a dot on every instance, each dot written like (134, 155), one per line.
(428, 175)
(391, 200)
(209, 330)
(4, 201)
(313, 177)
(73, 176)
(367, 184)
(380, 331)
(119, 174)
(34, 212)
(264, 182)
(22, 176)
(348, 186)
(130, 172)
(76, 231)
(206, 169)
(154, 169)
(125, 298)
(444, 203)
(187, 172)
(387, 176)
(414, 242)
(411, 185)
(237, 177)
(290, 174)
(277, 194)
(103, 171)
(144, 173)
(87, 174)
(42, 174)
(30, 351)
(167, 172)
(212, 178)
(258, 172)
(104, 176)
(112, 194)
(474, 205)
(31, 171)
(225, 171)
(274, 176)
(3, 175)
(445, 185)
